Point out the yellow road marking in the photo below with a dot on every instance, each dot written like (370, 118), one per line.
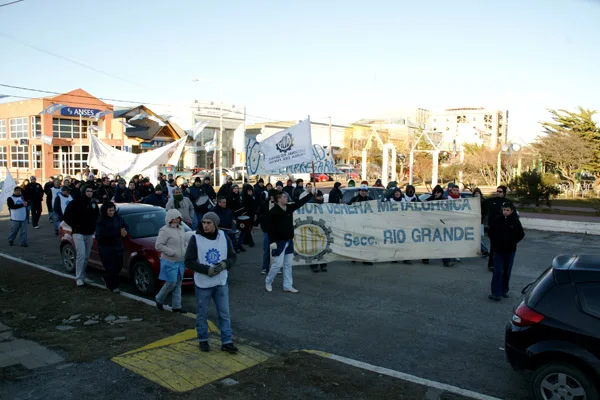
(177, 363)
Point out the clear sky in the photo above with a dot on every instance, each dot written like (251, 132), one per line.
(288, 59)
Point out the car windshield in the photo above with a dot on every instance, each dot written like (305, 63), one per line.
(373, 193)
(146, 224)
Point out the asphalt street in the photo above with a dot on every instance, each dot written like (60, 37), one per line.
(425, 320)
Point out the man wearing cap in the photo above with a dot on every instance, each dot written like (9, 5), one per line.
(158, 198)
(279, 187)
(335, 195)
(259, 188)
(81, 215)
(210, 255)
(34, 195)
(280, 228)
(17, 207)
(60, 205)
(448, 189)
(363, 195)
(289, 188)
(208, 189)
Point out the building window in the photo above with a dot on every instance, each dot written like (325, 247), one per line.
(18, 127)
(487, 119)
(36, 126)
(70, 160)
(2, 129)
(461, 119)
(3, 157)
(56, 157)
(65, 128)
(19, 156)
(36, 156)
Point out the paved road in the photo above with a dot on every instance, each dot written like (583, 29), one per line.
(425, 320)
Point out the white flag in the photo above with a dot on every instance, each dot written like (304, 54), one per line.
(198, 127)
(288, 147)
(157, 120)
(141, 115)
(51, 109)
(126, 125)
(8, 187)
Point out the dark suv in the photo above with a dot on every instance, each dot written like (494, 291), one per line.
(555, 330)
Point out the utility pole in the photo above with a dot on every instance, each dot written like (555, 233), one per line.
(330, 151)
(221, 145)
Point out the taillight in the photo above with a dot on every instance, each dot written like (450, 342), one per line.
(525, 316)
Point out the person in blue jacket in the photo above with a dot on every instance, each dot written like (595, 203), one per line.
(158, 198)
(110, 231)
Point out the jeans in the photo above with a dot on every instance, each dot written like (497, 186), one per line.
(282, 257)
(36, 212)
(112, 261)
(15, 227)
(167, 288)
(503, 263)
(197, 219)
(83, 247)
(56, 221)
(266, 252)
(220, 295)
(484, 248)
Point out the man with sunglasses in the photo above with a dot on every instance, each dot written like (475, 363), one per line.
(81, 215)
(492, 209)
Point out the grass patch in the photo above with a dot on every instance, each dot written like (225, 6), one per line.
(593, 203)
(540, 210)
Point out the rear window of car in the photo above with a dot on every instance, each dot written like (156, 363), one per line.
(589, 296)
(540, 287)
(146, 224)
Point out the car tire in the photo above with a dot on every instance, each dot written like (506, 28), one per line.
(69, 257)
(143, 278)
(562, 376)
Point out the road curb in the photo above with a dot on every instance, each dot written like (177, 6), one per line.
(555, 225)
(401, 375)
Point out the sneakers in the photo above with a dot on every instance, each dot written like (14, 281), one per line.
(117, 290)
(80, 283)
(88, 281)
(36, 227)
(161, 307)
(204, 346)
(268, 287)
(291, 290)
(230, 348)
(179, 310)
(495, 298)
(263, 272)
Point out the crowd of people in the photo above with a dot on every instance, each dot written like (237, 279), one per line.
(223, 223)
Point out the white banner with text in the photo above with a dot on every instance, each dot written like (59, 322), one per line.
(387, 231)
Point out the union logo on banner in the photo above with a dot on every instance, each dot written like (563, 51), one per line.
(286, 143)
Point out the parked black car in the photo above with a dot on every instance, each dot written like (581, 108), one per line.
(555, 330)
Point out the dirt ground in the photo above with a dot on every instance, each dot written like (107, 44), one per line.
(34, 303)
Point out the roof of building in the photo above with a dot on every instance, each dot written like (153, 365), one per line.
(147, 129)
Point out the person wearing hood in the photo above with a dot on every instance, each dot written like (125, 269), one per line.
(259, 188)
(289, 188)
(60, 205)
(182, 204)
(266, 193)
(378, 183)
(48, 192)
(335, 195)
(172, 245)
(505, 232)
(410, 195)
(76, 189)
(34, 195)
(210, 255)
(17, 207)
(110, 231)
(250, 203)
(105, 192)
(146, 189)
(225, 190)
(397, 196)
(158, 198)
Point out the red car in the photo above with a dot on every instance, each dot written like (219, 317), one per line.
(319, 178)
(141, 261)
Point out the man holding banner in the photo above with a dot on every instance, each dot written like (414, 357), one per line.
(280, 226)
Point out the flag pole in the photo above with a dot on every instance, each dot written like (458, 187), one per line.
(313, 163)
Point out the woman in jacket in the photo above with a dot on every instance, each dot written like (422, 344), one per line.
(110, 231)
(505, 232)
(171, 243)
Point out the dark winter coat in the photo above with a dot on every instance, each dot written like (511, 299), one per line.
(108, 231)
(225, 216)
(506, 232)
(104, 193)
(492, 207)
(225, 190)
(298, 190)
(194, 193)
(263, 212)
(289, 190)
(81, 215)
(33, 192)
(335, 196)
(234, 203)
(250, 205)
(280, 222)
(358, 198)
(210, 192)
(156, 200)
(146, 189)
